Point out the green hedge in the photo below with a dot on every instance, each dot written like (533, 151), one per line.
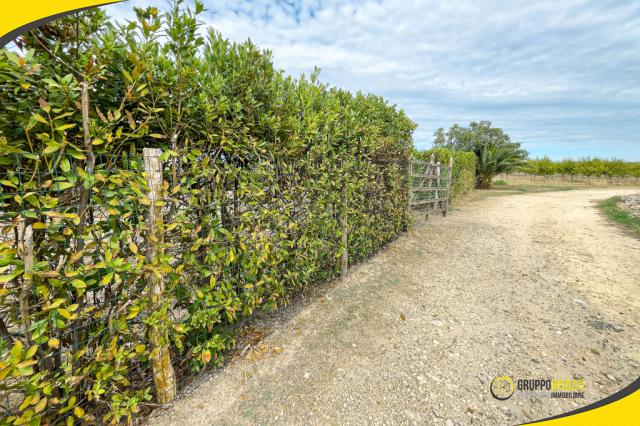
(464, 169)
(257, 171)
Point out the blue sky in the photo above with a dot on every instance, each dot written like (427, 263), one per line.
(563, 77)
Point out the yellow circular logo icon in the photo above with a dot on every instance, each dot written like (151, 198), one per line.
(502, 388)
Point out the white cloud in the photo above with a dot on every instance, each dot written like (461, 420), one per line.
(561, 76)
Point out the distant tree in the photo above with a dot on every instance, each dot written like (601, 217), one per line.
(590, 167)
(567, 167)
(614, 167)
(544, 167)
(492, 160)
(634, 170)
(473, 138)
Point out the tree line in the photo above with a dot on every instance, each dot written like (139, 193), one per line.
(586, 166)
(496, 154)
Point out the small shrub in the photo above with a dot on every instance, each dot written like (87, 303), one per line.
(499, 182)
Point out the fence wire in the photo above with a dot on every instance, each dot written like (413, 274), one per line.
(124, 279)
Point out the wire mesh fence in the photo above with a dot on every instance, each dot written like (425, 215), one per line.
(124, 278)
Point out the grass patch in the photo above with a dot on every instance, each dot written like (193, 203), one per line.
(519, 189)
(486, 194)
(611, 208)
(499, 182)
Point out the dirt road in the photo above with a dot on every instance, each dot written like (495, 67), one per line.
(531, 286)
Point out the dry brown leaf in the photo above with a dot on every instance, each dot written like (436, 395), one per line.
(377, 402)
(242, 397)
(470, 410)
(298, 332)
(402, 316)
(200, 406)
(277, 350)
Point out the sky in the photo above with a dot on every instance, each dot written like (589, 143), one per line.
(560, 76)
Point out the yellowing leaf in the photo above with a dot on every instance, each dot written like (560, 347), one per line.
(24, 364)
(133, 247)
(3, 373)
(31, 352)
(79, 412)
(133, 311)
(26, 402)
(54, 343)
(78, 283)
(41, 405)
(40, 119)
(75, 256)
(6, 278)
(206, 356)
(65, 127)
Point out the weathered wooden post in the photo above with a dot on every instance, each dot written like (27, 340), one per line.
(409, 171)
(163, 374)
(344, 259)
(438, 185)
(25, 250)
(446, 202)
(429, 172)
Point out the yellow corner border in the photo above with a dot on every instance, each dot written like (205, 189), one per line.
(20, 16)
(620, 409)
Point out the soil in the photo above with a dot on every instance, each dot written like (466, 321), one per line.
(529, 286)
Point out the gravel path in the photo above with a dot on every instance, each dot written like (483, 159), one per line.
(525, 286)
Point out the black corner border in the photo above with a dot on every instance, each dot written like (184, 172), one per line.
(13, 34)
(623, 393)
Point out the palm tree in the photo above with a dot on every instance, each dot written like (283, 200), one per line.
(492, 160)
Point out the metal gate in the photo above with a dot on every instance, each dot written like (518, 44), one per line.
(430, 185)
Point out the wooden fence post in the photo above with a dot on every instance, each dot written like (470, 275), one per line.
(25, 250)
(344, 259)
(438, 184)
(163, 374)
(446, 202)
(410, 171)
(428, 171)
